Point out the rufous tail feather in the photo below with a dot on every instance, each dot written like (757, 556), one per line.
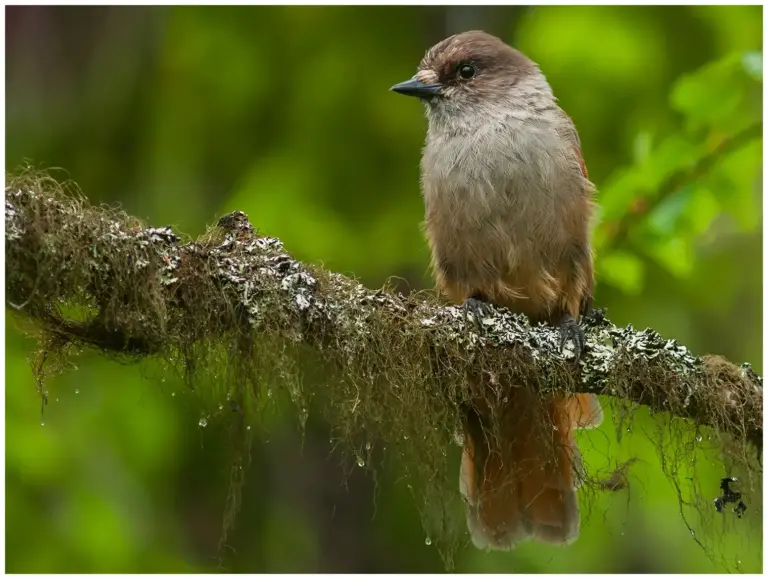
(522, 483)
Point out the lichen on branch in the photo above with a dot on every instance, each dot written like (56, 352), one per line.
(397, 365)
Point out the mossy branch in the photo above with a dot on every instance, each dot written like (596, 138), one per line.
(97, 277)
(236, 314)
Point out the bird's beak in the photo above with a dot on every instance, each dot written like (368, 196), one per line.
(416, 88)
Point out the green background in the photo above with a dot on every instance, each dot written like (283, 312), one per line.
(181, 114)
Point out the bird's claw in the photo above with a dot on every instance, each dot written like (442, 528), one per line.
(571, 330)
(478, 308)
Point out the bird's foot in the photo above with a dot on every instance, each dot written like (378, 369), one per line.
(571, 330)
(478, 308)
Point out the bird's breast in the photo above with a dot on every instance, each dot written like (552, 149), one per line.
(489, 201)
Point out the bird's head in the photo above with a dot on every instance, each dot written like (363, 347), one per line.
(474, 73)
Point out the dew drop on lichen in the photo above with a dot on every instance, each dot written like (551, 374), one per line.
(221, 407)
(247, 427)
(203, 422)
(173, 393)
(360, 462)
(77, 391)
(427, 541)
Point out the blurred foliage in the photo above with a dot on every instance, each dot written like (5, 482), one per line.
(694, 177)
(181, 114)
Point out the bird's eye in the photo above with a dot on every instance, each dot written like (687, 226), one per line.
(467, 71)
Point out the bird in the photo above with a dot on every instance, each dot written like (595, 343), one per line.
(508, 206)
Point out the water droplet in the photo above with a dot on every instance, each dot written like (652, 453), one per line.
(693, 534)
(173, 393)
(57, 400)
(77, 391)
(367, 446)
(221, 407)
(203, 422)
(405, 437)
(360, 461)
(42, 424)
(427, 541)
(699, 439)
(162, 379)
(247, 427)
(629, 430)
(269, 393)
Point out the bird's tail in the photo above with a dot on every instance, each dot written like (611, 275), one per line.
(521, 484)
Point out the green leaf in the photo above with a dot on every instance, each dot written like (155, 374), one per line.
(753, 64)
(725, 95)
(736, 183)
(703, 209)
(689, 211)
(675, 254)
(674, 154)
(621, 270)
(666, 217)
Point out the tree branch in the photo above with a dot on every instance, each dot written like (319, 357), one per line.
(96, 277)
